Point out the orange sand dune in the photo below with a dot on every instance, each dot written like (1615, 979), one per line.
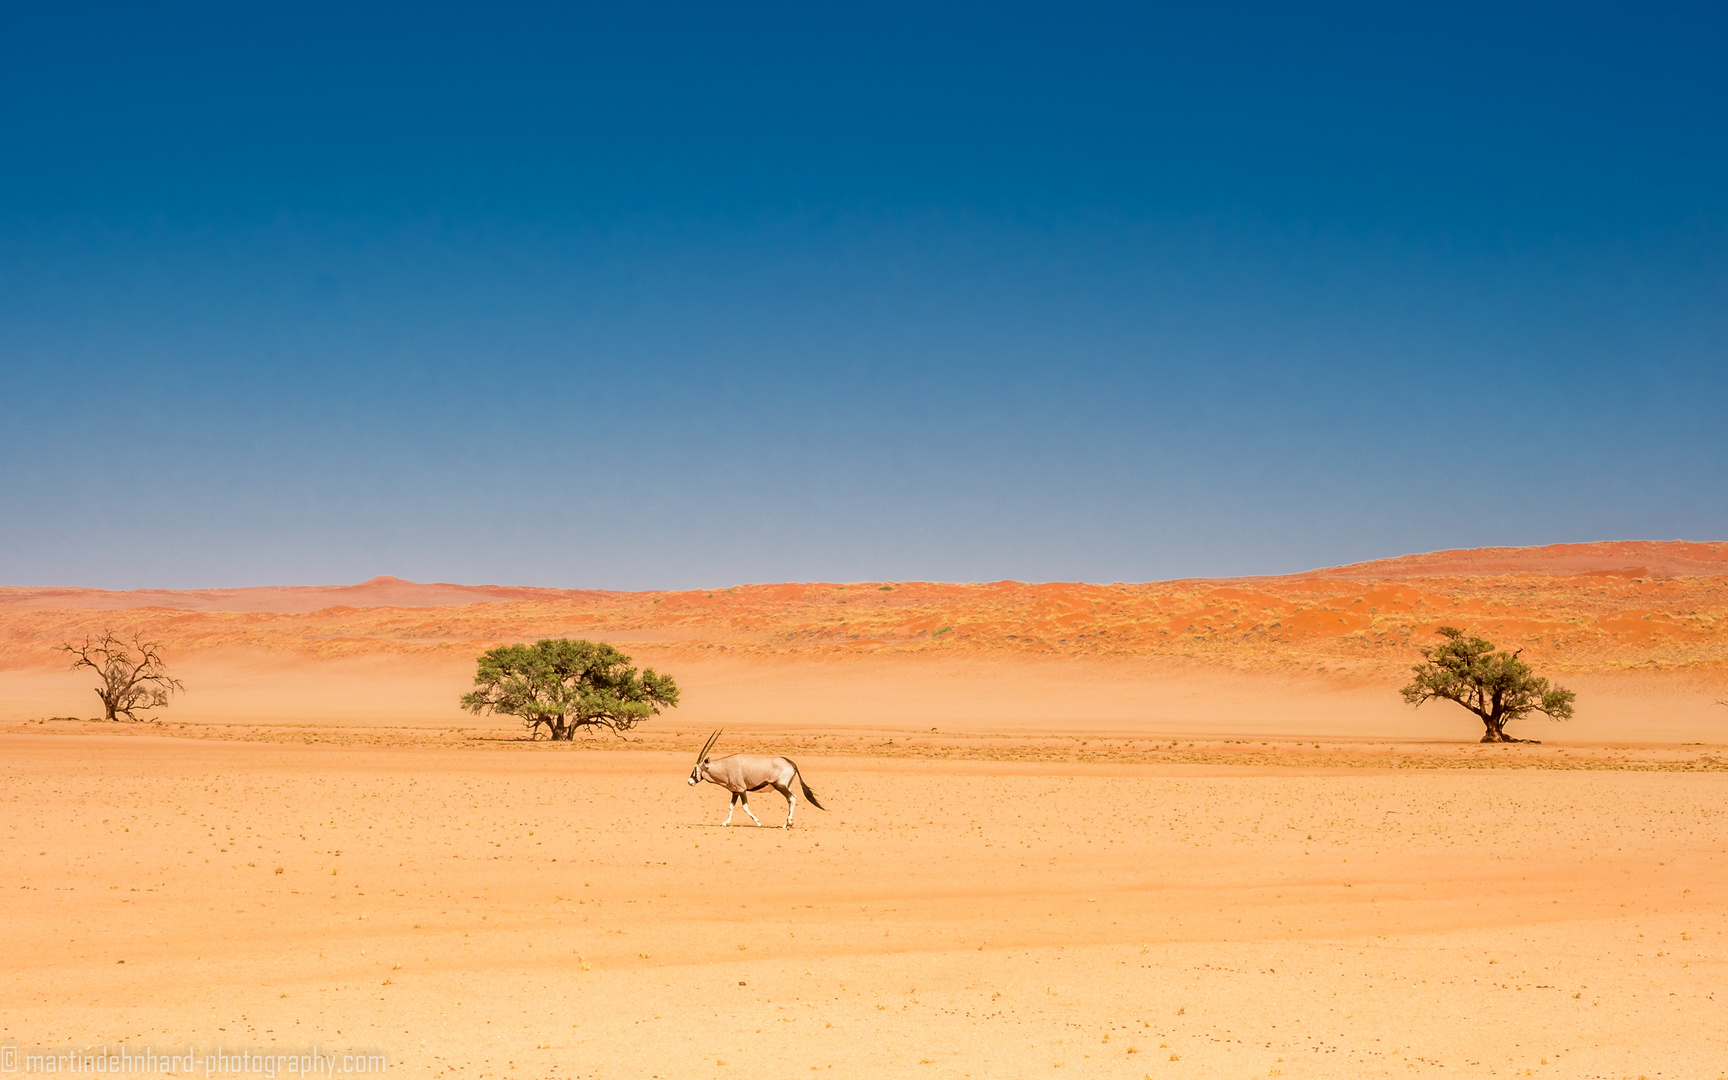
(1612, 615)
(1316, 653)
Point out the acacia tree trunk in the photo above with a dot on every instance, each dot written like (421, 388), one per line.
(1496, 725)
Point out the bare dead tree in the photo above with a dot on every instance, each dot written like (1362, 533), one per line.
(134, 678)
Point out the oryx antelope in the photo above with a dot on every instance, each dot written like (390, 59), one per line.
(744, 773)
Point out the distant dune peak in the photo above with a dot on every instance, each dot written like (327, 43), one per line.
(1642, 558)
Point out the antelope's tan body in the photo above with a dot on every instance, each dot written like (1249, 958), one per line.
(743, 773)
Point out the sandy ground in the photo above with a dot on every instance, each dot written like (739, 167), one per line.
(1182, 829)
(906, 693)
(496, 909)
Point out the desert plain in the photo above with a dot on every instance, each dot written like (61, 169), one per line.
(1177, 829)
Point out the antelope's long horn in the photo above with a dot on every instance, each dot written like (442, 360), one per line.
(709, 745)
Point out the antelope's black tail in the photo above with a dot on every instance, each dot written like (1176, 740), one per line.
(809, 796)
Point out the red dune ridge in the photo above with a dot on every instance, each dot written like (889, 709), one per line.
(1574, 607)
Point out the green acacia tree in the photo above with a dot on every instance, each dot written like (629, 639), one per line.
(564, 685)
(1495, 685)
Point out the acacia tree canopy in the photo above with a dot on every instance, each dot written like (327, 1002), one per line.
(564, 684)
(134, 678)
(1495, 685)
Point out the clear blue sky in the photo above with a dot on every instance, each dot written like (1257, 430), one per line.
(660, 296)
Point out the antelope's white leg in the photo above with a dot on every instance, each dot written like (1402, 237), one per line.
(791, 805)
(729, 810)
(751, 812)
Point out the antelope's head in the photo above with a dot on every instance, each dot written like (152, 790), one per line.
(702, 757)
